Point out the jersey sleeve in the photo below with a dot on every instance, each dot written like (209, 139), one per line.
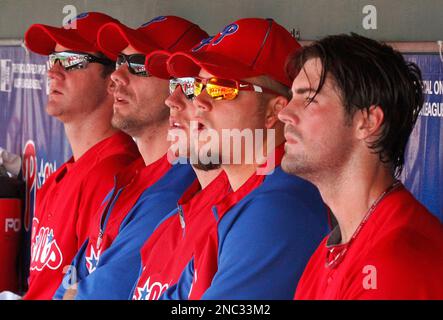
(404, 265)
(263, 250)
(181, 290)
(77, 271)
(119, 265)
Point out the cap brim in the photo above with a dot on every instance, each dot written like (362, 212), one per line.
(182, 64)
(42, 39)
(113, 38)
(156, 63)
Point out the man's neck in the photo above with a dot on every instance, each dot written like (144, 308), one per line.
(351, 193)
(206, 177)
(87, 132)
(152, 142)
(238, 174)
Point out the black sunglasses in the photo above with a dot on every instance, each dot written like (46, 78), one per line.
(72, 60)
(135, 63)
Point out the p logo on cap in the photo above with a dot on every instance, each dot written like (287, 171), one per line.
(72, 24)
(246, 48)
(202, 44)
(157, 19)
(228, 30)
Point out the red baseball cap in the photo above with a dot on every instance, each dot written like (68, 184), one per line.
(165, 33)
(79, 34)
(245, 48)
(156, 61)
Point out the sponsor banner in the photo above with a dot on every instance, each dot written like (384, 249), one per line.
(423, 171)
(26, 129)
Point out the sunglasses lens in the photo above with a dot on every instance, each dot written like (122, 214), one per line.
(222, 89)
(52, 60)
(173, 83)
(198, 87)
(120, 61)
(137, 64)
(137, 69)
(186, 85)
(68, 60)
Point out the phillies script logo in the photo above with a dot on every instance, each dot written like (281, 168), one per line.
(150, 291)
(44, 249)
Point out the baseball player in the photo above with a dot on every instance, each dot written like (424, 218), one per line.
(171, 246)
(354, 105)
(108, 263)
(79, 81)
(263, 232)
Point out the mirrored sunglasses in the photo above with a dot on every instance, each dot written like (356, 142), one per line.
(186, 84)
(72, 60)
(135, 63)
(226, 89)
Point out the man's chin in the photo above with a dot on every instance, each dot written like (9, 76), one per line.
(54, 110)
(206, 167)
(288, 165)
(212, 162)
(122, 123)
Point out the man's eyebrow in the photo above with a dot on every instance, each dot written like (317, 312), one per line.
(304, 90)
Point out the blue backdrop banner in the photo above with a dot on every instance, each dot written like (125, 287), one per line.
(27, 130)
(423, 171)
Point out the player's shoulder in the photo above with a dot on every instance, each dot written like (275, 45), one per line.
(176, 180)
(50, 180)
(281, 183)
(282, 195)
(276, 215)
(165, 193)
(403, 222)
(117, 144)
(408, 250)
(405, 265)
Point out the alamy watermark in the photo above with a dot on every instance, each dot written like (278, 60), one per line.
(247, 146)
(70, 21)
(370, 19)
(370, 280)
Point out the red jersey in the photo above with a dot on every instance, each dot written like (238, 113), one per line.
(129, 185)
(171, 246)
(65, 206)
(397, 254)
(257, 242)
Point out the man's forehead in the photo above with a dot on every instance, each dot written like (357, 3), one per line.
(130, 50)
(60, 48)
(309, 75)
(204, 74)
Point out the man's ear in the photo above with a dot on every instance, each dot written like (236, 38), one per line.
(275, 105)
(110, 85)
(369, 123)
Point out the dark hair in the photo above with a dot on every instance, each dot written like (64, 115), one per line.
(367, 73)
